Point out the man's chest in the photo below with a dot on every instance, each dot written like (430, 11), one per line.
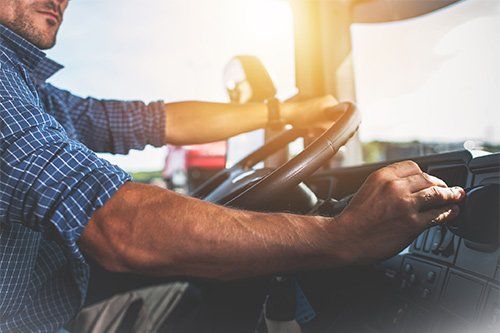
(58, 110)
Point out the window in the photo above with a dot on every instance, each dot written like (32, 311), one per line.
(431, 83)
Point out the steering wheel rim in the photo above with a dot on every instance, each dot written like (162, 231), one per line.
(293, 172)
(225, 187)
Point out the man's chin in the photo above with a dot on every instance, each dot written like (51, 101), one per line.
(41, 42)
(46, 37)
(45, 45)
(44, 40)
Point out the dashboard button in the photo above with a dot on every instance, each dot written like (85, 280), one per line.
(420, 241)
(408, 268)
(437, 239)
(428, 241)
(431, 277)
(412, 279)
(446, 247)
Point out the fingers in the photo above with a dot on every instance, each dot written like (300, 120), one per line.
(437, 216)
(436, 196)
(422, 181)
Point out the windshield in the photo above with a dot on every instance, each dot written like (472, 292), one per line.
(431, 83)
(176, 50)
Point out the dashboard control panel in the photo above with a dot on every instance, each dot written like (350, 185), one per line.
(448, 276)
(442, 282)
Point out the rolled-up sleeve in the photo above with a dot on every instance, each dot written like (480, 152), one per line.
(108, 125)
(49, 182)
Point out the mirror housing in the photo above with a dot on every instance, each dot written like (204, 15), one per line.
(247, 80)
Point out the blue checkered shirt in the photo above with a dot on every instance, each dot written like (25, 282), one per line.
(51, 182)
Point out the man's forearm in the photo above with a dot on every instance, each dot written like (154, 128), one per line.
(202, 122)
(148, 230)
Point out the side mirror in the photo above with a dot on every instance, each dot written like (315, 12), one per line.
(479, 220)
(247, 80)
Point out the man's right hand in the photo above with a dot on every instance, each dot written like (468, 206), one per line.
(394, 205)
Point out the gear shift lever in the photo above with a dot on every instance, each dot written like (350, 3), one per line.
(479, 218)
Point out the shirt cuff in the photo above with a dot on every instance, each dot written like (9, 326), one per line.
(157, 123)
(73, 214)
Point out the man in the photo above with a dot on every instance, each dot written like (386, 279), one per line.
(61, 206)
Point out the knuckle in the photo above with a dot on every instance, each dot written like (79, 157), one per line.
(408, 166)
(408, 204)
(411, 164)
(394, 186)
(379, 175)
(427, 197)
(436, 193)
(433, 180)
(389, 186)
(427, 178)
(414, 219)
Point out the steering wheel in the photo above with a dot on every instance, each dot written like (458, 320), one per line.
(243, 187)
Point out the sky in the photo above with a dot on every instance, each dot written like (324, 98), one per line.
(172, 50)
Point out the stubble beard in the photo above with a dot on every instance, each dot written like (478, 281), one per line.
(24, 26)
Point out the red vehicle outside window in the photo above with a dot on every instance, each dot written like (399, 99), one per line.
(188, 167)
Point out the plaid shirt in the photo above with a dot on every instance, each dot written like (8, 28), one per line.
(51, 182)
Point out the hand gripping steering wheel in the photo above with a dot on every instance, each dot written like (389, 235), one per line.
(243, 187)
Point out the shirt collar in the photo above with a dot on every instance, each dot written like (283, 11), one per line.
(40, 67)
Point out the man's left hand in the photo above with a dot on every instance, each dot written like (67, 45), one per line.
(311, 113)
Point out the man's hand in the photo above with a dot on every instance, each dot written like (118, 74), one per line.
(392, 207)
(311, 112)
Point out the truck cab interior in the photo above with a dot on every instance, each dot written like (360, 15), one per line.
(448, 279)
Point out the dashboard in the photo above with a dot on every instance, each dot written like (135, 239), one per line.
(441, 282)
